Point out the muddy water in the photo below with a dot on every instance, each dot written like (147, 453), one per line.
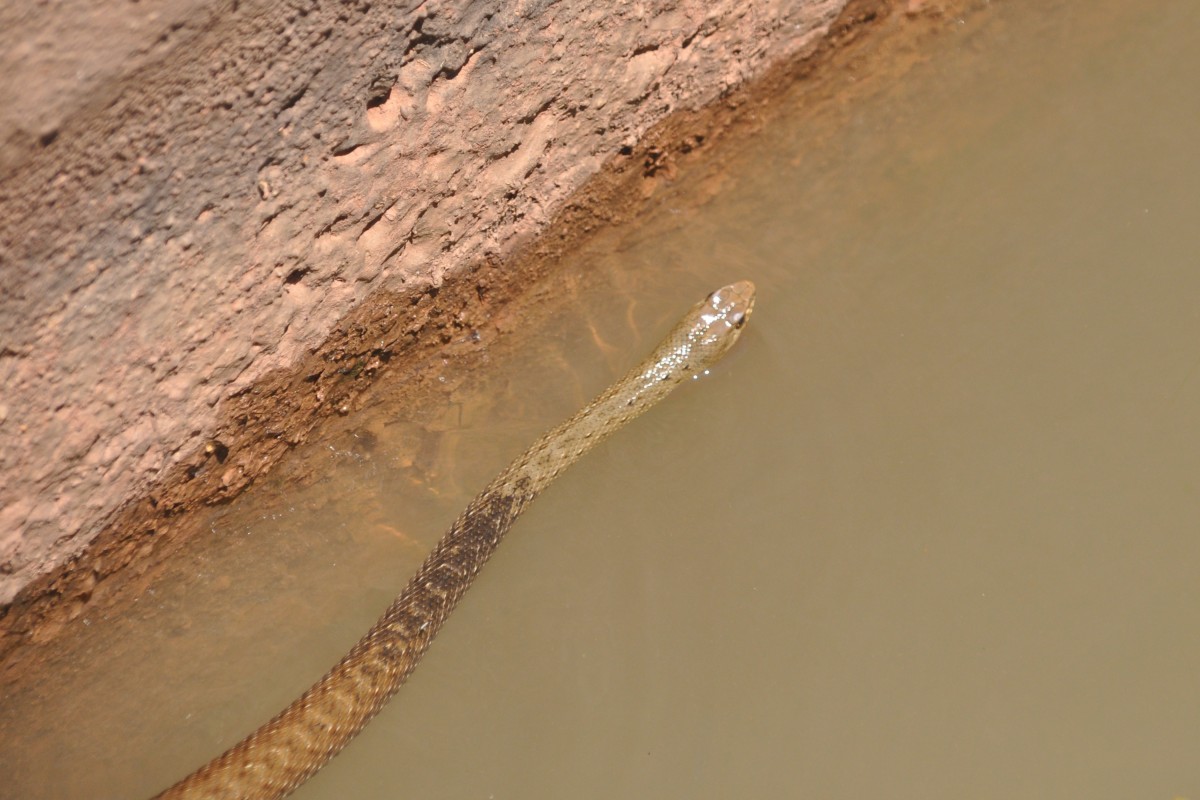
(929, 532)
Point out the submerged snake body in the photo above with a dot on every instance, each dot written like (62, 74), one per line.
(285, 752)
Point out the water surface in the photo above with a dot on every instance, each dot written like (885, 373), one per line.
(929, 532)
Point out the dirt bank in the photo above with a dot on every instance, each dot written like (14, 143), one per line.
(206, 254)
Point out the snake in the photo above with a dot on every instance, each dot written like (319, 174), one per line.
(289, 749)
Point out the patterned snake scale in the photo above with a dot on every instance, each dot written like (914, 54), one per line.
(288, 750)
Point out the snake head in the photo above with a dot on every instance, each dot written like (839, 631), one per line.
(716, 322)
(705, 333)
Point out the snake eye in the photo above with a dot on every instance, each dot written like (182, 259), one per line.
(739, 320)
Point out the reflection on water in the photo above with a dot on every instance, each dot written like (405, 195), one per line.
(929, 532)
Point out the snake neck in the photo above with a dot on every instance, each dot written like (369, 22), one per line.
(627, 398)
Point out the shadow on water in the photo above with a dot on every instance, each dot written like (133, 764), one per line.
(929, 532)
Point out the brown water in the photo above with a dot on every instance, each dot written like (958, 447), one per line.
(929, 532)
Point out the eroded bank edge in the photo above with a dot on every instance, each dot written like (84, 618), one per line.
(402, 331)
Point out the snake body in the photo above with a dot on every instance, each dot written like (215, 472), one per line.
(285, 752)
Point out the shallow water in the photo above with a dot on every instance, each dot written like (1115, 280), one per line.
(929, 532)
